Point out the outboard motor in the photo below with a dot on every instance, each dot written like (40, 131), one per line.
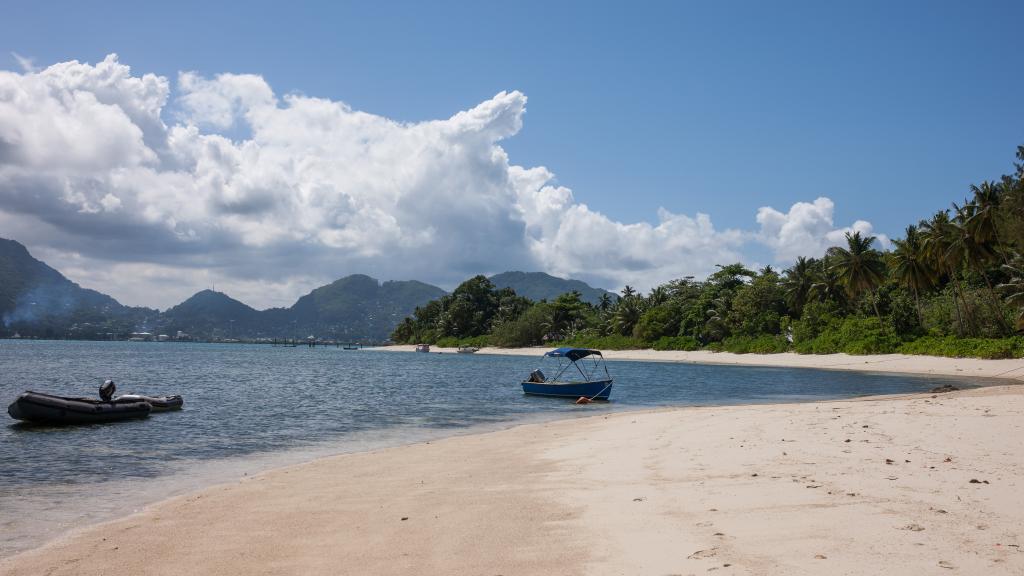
(536, 376)
(107, 390)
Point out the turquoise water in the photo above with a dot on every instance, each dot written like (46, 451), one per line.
(249, 408)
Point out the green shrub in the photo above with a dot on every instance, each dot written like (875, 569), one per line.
(685, 343)
(975, 309)
(763, 344)
(612, 342)
(526, 330)
(814, 320)
(657, 322)
(852, 335)
(453, 342)
(955, 347)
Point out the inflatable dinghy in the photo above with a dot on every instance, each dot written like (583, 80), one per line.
(48, 409)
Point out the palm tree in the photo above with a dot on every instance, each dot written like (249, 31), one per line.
(1015, 287)
(828, 286)
(628, 291)
(605, 302)
(911, 267)
(860, 267)
(982, 223)
(627, 314)
(715, 327)
(974, 253)
(658, 296)
(797, 284)
(938, 235)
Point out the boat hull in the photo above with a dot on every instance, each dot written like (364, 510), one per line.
(596, 390)
(48, 409)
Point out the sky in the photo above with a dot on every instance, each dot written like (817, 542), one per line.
(150, 151)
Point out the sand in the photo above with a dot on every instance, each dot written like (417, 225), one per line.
(900, 363)
(922, 484)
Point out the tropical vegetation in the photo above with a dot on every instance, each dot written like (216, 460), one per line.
(952, 285)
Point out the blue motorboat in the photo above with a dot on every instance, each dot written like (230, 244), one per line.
(593, 382)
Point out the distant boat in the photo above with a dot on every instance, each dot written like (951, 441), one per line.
(467, 350)
(423, 347)
(350, 347)
(594, 383)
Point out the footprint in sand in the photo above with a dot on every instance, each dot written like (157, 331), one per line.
(700, 554)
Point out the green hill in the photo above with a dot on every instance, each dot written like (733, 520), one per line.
(212, 314)
(540, 286)
(36, 300)
(358, 307)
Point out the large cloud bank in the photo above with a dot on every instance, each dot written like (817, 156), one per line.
(134, 189)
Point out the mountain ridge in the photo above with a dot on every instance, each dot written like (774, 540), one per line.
(37, 300)
(543, 286)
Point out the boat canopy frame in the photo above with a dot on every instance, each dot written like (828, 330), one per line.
(574, 356)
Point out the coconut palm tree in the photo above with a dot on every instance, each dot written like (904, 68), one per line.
(860, 267)
(715, 326)
(938, 235)
(798, 282)
(974, 253)
(628, 291)
(658, 296)
(627, 314)
(828, 286)
(605, 302)
(911, 267)
(982, 222)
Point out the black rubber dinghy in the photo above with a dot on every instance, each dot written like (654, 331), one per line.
(48, 409)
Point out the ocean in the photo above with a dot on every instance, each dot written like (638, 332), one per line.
(249, 408)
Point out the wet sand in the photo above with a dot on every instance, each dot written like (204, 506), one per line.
(922, 484)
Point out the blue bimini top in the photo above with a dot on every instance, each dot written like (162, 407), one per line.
(573, 354)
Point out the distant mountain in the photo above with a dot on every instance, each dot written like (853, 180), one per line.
(212, 314)
(541, 286)
(355, 308)
(358, 307)
(37, 300)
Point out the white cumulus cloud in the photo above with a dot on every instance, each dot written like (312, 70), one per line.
(807, 229)
(137, 188)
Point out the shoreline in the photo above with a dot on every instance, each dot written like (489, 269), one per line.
(686, 491)
(1007, 369)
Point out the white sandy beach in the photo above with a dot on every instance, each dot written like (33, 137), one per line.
(924, 484)
(898, 363)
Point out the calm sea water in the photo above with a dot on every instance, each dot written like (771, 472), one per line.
(250, 408)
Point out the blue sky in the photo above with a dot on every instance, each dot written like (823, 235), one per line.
(890, 109)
